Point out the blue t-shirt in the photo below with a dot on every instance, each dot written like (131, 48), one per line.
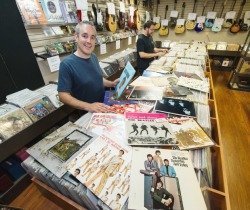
(82, 78)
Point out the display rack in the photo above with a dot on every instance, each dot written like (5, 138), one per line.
(18, 141)
(240, 76)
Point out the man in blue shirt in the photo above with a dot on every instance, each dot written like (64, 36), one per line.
(167, 170)
(80, 82)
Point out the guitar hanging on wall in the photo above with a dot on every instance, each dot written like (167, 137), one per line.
(180, 28)
(164, 28)
(137, 18)
(99, 17)
(200, 26)
(121, 17)
(156, 18)
(172, 22)
(235, 28)
(131, 23)
(191, 23)
(210, 21)
(110, 22)
(229, 20)
(217, 27)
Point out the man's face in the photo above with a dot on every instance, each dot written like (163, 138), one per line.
(150, 158)
(166, 162)
(18, 125)
(150, 30)
(86, 40)
(76, 172)
(120, 153)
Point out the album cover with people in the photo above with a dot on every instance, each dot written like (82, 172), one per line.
(148, 129)
(39, 108)
(163, 179)
(12, 122)
(62, 146)
(68, 9)
(104, 168)
(52, 11)
(176, 107)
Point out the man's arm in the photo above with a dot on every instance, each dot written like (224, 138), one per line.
(150, 55)
(160, 50)
(108, 83)
(68, 99)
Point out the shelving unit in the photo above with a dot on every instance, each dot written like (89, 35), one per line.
(221, 55)
(16, 142)
(240, 76)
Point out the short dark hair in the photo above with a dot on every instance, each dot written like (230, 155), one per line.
(148, 24)
(79, 171)
(119, 195)
(166, 160)
(122, 151)
(157, 151)
(149, 155)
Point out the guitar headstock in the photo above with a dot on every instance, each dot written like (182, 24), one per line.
(166, 8)
(243, 3)
(183, 5)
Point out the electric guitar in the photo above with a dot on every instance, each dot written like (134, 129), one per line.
(200, 26)
(172, 22)
(235, 28)
(131, 23)
(179, 29)
(99, 19)
(243, 25)
(210, 22)
(229, 21)
(110, 22)
(217, 28)
(190, 24)
(164, 29)
(157, 25)
(121, 19)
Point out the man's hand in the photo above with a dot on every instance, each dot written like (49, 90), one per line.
(160, 53)
(167, 202)
(97, 107)
(115, 82)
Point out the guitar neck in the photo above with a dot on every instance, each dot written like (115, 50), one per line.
(240, 10)
(175, 2)
(166, 10)
(182, 11)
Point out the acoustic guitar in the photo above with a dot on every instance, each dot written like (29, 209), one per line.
(235, 28)
(190, 24)
(217, 28)
(172, 22)
(164, 28)
(200, 26)
(243, 25)
(210, 22)
(179, 29)
(111, 22)
(121, 19)
(228, 22)
(137, 18)
(157, 25)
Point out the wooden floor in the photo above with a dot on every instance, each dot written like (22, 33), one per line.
(234, 114)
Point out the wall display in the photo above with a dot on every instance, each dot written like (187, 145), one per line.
(137, 18)
(52, 11)
(32, 11)
(99, 17)
(164, 185)
(121, 15)
(219, 21)
(131, 15)
(211, 17)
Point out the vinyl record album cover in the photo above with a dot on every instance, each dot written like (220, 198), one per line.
(52, 11)
(175, 106)
(163, 179)
(32, 12)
